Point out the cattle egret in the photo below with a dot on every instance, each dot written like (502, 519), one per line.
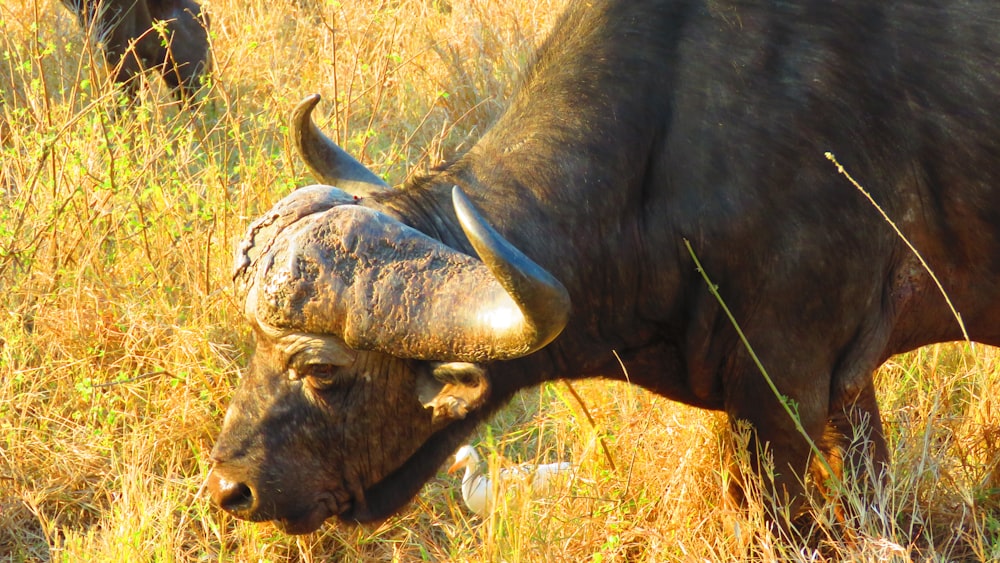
(479, 492)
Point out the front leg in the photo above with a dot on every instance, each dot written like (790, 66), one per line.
(854, 447)
(780, 452)
(847, 432)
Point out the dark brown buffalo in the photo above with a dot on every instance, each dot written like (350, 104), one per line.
(131, 44)
(390, 322)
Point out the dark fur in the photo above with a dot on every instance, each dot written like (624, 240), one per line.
(131, 45)
(647, 123)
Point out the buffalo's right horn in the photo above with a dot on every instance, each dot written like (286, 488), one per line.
(330, 163)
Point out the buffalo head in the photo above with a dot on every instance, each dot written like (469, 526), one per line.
(370, 342)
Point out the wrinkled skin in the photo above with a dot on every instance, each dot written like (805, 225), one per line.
(323, 422)
(642, 125)
(131, 45)
(344, 442)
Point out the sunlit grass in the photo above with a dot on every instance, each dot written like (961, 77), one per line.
(120, 339)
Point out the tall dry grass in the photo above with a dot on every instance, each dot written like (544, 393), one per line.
(120, 340)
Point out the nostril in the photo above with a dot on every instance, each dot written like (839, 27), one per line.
(231, 496)
(237, 498)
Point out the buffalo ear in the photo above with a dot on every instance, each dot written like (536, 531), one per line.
(452, 389)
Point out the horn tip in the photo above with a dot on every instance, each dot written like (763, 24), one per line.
(305, 107)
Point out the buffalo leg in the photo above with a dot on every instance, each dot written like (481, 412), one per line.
(850, 438)
(853, 445)
(774, 435)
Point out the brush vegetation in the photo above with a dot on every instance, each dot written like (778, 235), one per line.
(121, 339)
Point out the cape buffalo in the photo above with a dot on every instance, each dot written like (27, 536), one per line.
(131, 44)
(390, 322)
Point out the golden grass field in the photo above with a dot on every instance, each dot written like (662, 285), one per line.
(121, 340)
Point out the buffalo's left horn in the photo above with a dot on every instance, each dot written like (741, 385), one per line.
(330, 163)
(541, 298)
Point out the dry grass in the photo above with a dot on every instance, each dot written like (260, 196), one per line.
(120, 340)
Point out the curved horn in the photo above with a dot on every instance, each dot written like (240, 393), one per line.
(330, 163)
(541, 298)
(377, 284)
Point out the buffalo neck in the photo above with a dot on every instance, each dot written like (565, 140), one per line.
(550, 177)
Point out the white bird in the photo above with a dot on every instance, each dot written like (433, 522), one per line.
(479, 492)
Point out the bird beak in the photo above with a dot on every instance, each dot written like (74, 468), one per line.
(456, 466)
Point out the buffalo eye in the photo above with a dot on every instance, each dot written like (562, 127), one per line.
(320, 377)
